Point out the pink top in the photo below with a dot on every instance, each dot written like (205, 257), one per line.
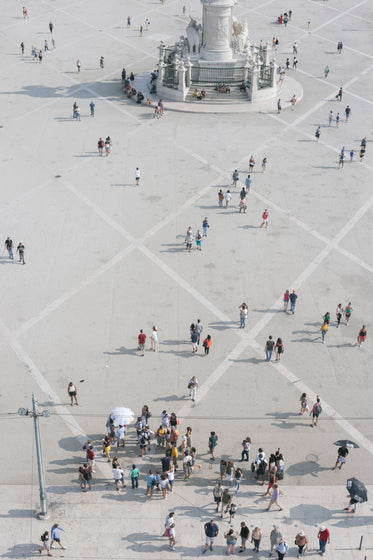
(286, 296)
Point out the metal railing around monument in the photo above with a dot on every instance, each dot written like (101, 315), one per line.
(218, 75)
(264, 78)
(170, 77)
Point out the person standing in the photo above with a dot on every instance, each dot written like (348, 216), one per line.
(102, 60)
(235, 178)
(270, 344)
(246, 444)
(337, 119)
(339, 94)
(348, 312)
(150, 483)
(55, 535)
(316, 411)
(92, 108)
(295, 62)
(194, 339)
(231, 539)
(91, 456)
(154, 339)
(227, 198)
(264, 164)
(220, 198)
(347, 112)
(286, 300)
(244, 534)
(118, 476)
(293, 301)
(207, 343)
(248, 183)
(78, 64)
(293, 102)
(212, 443)
(137, 176)
(295, 48)
(279, 349)
(251, 163)
(275, 498)
(265, 217)
(330, 118)
(72, 391)
(303, 404)
(275, 537)
(211, 532)
(198, 328)
(51, 27)
(22, 45)
(256, 537)
(341, 459)
(282, 549)
(339, 312)
(361, 337)
(318, 133)
(243, 315)
(326, 71)
(9, 247)
(141, 342)
(134, 474)
(21, 252)
(45, 539)
(100, 146)
(193, 386)
(351, 155)
(205, 226)
(129, 21)
(341, 162)
(324, 539)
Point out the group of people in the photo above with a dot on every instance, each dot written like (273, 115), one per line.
(20, 250)
(104, 145)
(190, 237)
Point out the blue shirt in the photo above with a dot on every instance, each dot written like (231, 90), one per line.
(248, 183)
(150, 480)
(211, 530)
(55, 532)
(194, 337)
(293, 297)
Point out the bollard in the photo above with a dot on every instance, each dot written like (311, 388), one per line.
(361, 542)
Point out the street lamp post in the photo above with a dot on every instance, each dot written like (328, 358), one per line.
(35, 415)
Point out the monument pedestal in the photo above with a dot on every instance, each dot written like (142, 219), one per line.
(217, 30)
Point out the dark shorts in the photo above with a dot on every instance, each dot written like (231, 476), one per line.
(217, 499)
(315, 415)
(72, 394)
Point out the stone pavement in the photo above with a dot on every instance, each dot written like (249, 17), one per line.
(104, 259)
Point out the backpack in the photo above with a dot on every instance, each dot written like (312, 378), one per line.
(262, 467)
(280, 475)
(318, 409)
(43, 538)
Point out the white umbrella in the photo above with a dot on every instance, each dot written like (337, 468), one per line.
(122, 416)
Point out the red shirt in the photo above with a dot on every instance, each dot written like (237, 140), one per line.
(265, 215)
(324, 535)
(142, 338)
(90, 454)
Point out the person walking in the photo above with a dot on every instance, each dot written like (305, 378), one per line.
(150, 483)
(100, 146)
(265, 217)
(171, 536)
(301, 541)
(279, 106)
(194, 339)
(293, 102)
(275, 537)
(129, 21)
(72, 391)
(55, 535)
(324, 539)
(226, 501)
(341, 458)
(231, 539)
(91, 456)
(339, 312)
(198, 328)
(217, 494)
(318, 133)
(347, 112)
(337, 119)
(282, 549)
(207, 343)
(256, 537)
(118, 474)
(198, 240)
(248, 183)
(361, 337)
(45, 539)
(212, 443)
(316, 411)
(295, 48)
(330, 118)
(193, 386)
(92, 108)
(341, 162)
(264, 164)
(205, 226)
(324, 331)
(211, 532)
(348, 313)
(270, 344)
(251, 163)
(351, 155)
(303, 404)
(78, 64)
(326, 71)
(220, 198)
(279, 349)
(9, 247)
(286, 300)
(293, 301)
(295, 62)
(102, 61)
(22, 45)
(244, 535)
(235, 178)
(21, 252)
(339, 94)
(51, 27)
(141, 338)
(275, 498)
(238, 478)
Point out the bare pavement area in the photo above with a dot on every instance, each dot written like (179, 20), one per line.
(106, 258)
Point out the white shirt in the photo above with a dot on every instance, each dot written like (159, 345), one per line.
(137, 175)
(155, 335)
(118, 473)
(227, 196)
(257, 457)
(169, 521)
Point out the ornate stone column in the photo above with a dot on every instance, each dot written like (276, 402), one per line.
(217, 30)
(181, 70)
(189, 72)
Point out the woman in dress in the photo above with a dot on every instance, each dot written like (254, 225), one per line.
(72, 391)
(286, 300)
(154, 339)
(279, 349)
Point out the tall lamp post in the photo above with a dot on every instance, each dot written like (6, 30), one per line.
(35, 415)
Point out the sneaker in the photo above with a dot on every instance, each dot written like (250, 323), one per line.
(204, 551)
(211, 548)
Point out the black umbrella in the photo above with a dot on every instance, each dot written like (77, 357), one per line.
(357, 490)
(346, 443)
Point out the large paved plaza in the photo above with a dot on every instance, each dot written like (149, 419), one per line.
(105, 258)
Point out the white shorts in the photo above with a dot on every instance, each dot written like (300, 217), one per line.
(210, 540)
(341, 459)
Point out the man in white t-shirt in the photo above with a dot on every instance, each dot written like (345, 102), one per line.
(193, 386)
(227, 198)
(118, 476)
(137, 176)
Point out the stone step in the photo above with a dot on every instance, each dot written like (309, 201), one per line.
(213, 96)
